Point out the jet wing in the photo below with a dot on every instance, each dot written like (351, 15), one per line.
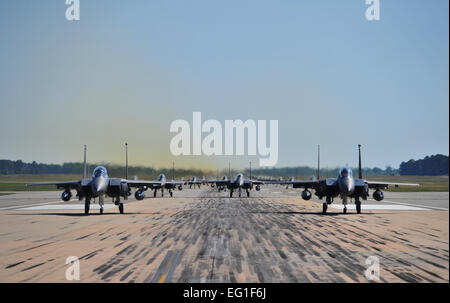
(276, 182)
(303, 184)
(220, 182)
(257, 182)
(140, 183)
(378, 184)
(296, 184)
(66, 184)
(174, 182)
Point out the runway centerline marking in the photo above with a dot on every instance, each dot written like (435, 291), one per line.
(163, 277)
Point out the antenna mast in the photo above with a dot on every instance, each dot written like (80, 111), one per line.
(360, 168)
(85, 167)
(318, 162)
(126, 160)
(173, 170)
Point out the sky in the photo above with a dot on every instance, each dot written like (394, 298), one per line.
(127, 69)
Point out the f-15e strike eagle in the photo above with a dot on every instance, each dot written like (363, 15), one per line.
(101, 185)
(344, 186)
(238, 184)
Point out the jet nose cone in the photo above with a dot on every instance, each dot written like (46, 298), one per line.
(98, 186)
(346, 186)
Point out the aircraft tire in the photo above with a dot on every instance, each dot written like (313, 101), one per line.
(87, 206)
(154, 194)
(121, 208)
(101, 210)
(358, 207)
(248, 194)
(324, 208)
(345, 210)
(171, 194)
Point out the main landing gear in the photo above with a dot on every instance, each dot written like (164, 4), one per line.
(87, 205)
(240, 193)
(344, 201)
(325, 205)
(324, 208)
(120, 204)
(358, 206)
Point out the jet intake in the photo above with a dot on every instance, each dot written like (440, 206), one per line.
(124, 189)
(180, 187)
(258, 188)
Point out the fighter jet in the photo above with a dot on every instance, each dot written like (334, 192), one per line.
(291, 179)
(345, 186)
(194, 182)
(204, 180)
(159, 184)
(219, 183)
(238, 184)
(100, 185)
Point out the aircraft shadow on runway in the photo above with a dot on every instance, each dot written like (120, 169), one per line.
(82, 214)
(316, 213)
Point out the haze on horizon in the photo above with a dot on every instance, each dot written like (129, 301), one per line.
(125, 71)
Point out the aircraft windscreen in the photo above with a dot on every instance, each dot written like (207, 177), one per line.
(346, 172)
(99, 171)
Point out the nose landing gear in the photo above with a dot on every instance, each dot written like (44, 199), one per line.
(101, 202)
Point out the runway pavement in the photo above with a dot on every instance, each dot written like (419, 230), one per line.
(204, 236)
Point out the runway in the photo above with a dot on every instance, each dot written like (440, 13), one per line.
(205, 236)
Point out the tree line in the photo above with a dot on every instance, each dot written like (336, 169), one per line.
(8, 167)
(435, 165)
